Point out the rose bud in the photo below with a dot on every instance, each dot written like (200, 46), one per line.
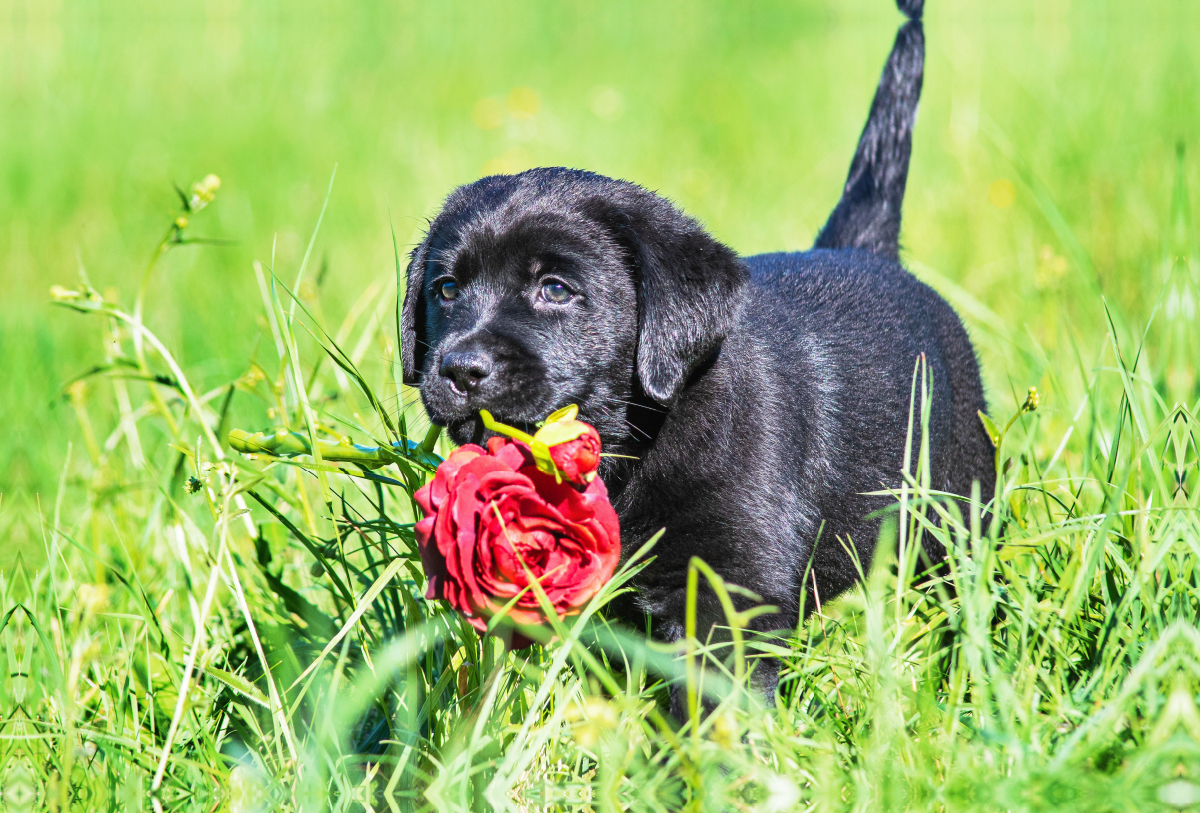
(565, 447)
(574, 447)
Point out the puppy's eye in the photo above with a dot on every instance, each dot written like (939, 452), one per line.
(448, 290)
(554, 291)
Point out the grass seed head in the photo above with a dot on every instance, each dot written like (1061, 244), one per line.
(204, 192)
(1031, 401)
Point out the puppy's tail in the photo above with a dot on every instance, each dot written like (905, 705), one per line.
(868, 215)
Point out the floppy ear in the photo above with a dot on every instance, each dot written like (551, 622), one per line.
(412, 316)
(690, 289)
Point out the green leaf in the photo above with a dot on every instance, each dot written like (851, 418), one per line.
(239, 685)
(990, 427)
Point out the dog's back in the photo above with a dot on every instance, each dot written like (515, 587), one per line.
(849, 326)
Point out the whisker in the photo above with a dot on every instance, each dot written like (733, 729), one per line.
(636, 404)
(634, 428)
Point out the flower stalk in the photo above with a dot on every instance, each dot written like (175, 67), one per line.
(286, 444)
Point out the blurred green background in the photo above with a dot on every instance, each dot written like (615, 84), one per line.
(1047, 133)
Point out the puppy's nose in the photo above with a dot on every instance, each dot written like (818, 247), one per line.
(466, 369)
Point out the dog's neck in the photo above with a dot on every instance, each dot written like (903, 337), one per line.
(643, 421)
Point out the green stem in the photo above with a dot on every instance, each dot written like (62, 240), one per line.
(138, 348)
(282, 443)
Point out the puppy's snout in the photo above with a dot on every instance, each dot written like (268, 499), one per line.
(466, 369)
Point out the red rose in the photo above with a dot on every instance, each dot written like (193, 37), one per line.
(578, 458)
(486, 511)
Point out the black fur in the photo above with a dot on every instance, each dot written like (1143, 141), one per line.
(868, 215)
(762, 397)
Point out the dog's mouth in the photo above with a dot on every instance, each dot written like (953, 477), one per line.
(522, 408)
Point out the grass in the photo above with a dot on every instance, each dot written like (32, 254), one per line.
(190, 629)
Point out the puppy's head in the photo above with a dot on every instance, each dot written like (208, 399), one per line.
(556, 286)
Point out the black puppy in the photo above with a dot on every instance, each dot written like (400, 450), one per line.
(761, 396)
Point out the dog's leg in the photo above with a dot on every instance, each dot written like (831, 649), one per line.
(868, 215)
(712, 631)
